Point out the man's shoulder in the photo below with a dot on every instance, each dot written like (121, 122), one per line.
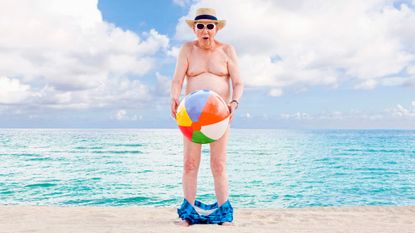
(188, 45)
(228, 48)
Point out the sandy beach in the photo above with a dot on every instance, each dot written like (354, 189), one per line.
(138, 219)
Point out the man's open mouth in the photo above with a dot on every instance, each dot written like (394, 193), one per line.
(205, 37)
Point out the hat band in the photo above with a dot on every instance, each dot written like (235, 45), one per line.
(211, 17)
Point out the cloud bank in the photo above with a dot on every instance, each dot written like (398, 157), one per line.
(300, 44)
(62, 54)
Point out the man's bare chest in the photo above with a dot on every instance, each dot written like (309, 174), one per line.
(212, 61)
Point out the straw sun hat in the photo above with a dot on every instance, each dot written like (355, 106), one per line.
(206, 14)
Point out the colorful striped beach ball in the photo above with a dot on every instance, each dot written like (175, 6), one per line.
(203, 116)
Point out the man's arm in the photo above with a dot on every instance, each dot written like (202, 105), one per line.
(233, 67)
(176, 85)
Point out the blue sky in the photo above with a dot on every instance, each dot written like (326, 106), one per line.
(108, 64)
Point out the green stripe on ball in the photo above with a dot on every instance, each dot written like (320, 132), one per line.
(199, 137)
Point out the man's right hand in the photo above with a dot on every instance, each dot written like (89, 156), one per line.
(174, 105)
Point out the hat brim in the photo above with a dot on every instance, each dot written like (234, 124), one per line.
(219, 23)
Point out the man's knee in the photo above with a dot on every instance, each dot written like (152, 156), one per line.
(218, 168)
(190, 165)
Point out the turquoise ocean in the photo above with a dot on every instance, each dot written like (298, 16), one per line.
(266, 168)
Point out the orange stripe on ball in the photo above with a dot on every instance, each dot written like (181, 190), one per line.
(196, 126)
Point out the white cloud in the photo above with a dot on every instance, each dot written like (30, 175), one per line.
(366, 85)
(122, 115)
(163, 85)
(395, 81)
(296, 116)
(114, 92)
(173, 52)
(66, 56)
(182, 3)
(119, 92)
(12, 91)
(275, 92)
(402, 112)
(411, 70)
(390, 114)
(335, 115)
(154, 43)
(307, 43)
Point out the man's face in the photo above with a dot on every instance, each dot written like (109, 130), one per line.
(205, 30)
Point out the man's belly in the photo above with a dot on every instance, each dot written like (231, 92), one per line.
(211, 82)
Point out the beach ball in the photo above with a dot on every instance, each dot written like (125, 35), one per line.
(203, 116)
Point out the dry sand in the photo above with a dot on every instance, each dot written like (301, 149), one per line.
(138, 219)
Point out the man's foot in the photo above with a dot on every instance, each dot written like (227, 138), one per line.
(226, 224)
(182, 223)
